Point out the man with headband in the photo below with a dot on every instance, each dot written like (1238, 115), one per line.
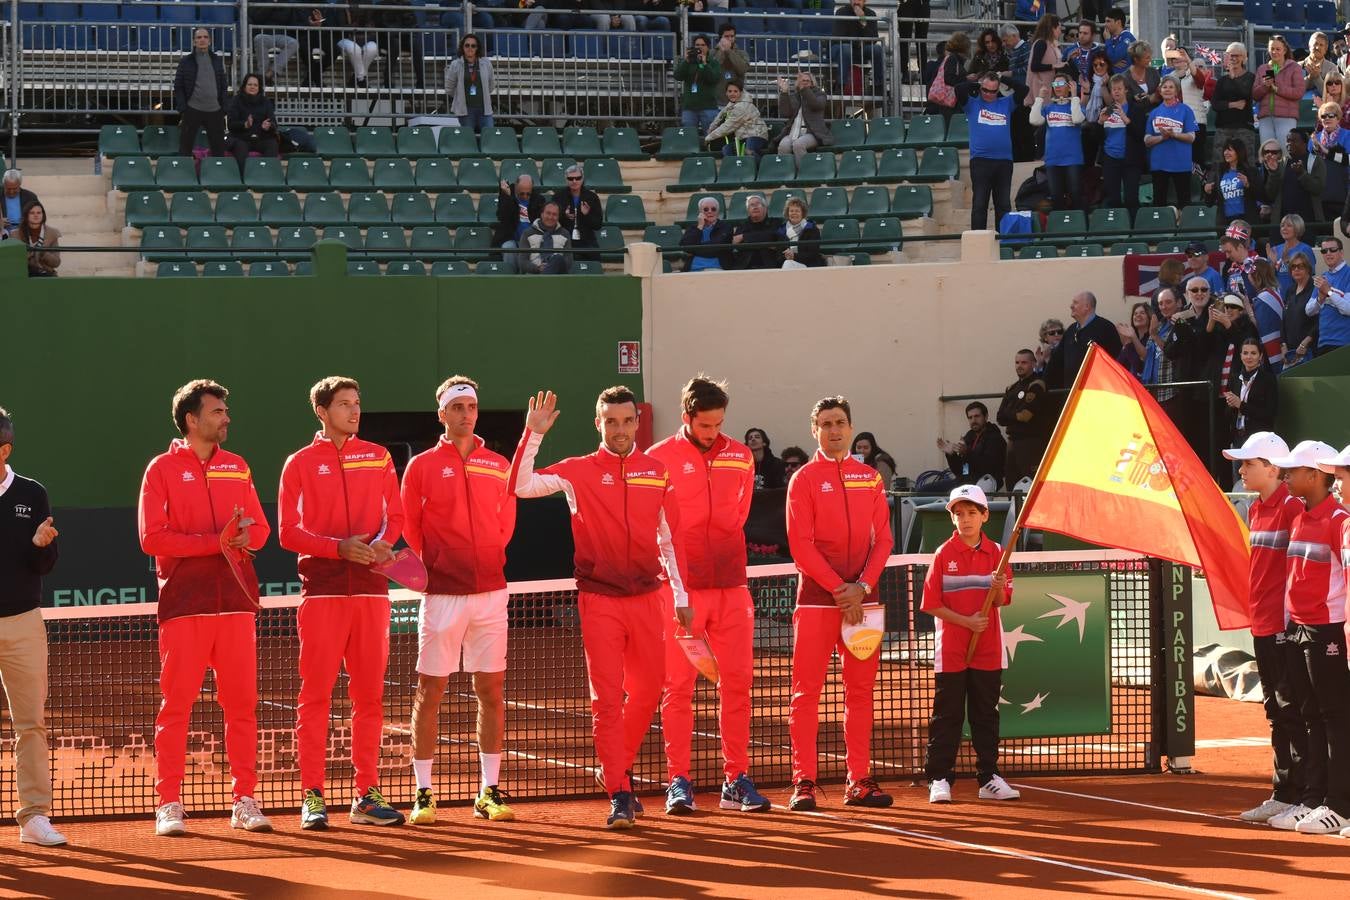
(458, 517)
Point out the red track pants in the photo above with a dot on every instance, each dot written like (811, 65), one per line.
(623, 639)
(188, 646)
(334, 631)
(815, 637)
(727, 617)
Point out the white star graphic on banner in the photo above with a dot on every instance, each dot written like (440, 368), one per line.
(1034, 703)
(1017, 636)
(1070, 610)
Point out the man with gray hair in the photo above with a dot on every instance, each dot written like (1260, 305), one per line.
(581, 212)
(27, 552)
(14, 200)
(1087, 328)
(517, 207)
(756, 237)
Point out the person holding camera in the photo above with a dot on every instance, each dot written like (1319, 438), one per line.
(699, 76)
(803, 110)
(1278, 90)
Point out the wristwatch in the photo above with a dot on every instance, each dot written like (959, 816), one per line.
(867, 588)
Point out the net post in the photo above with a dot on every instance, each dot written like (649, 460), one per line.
(1173, 683)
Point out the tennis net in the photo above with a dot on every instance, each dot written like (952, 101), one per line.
(103, 670)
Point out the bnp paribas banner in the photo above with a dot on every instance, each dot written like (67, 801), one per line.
(1056, 642)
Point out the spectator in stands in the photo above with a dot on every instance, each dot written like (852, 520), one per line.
(1026, 413)
(1197, 263)
(1169, 135)
(1117, 41)
(582, 212)
(1330, 303)
(199, 90)
(989, 56)
(803, 112)
(1316, 66)
(865, 445)
(13, 200)
(1193, 76)
(1265, 311)
(1060, 112)
(658, 14)
(1124, 156)
(800, 237)
(453, 18)
(1281, 253)
(1277, 91)
(756, 239)
(769, 469)
(856, 25)
(953, 74)
(1160, 366)
(1095, 95)
(1044, 62)
(1333, 91)
(1134, 336)
(1251, 395)
(980, 452)
(518, 206)
(614, 20)
(357, 43)
(1141, 78)
(1298, 334)
(707, 231)
(912, 25)
(1229, 327)
(1050, 334)
(794, 458)
(403, 34)
(1232, 103)
(1237, 265)
(1187, 350)
(699, 77)
(1331, 143)
(1233, 188)
(1171, 273)
(42, 240)
(1079, 54)
(1019, 59)
(1295, 184)
(251, 118)
(469, 84)
(740, 124)
(704, 24)
(559, 15)
(731, 59)
(284, 18)
(1087, 328)
(546, 239)
(991, 118)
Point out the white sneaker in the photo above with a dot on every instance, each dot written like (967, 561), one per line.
(39, 830)
(1286, 820)
(1323, 820)
(169, 820)
(939, 791)
(247, 816)
(998, 789)
(1266, 811)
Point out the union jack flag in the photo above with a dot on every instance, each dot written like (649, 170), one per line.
(1214, 56)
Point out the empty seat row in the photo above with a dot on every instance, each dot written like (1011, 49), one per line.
(234, 269)
(245, 242)
(909, 202)
(855, 167)
(851, 134)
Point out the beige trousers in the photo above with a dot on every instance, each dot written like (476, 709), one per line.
(23, 669)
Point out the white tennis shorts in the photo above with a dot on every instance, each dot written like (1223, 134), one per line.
(471, 626)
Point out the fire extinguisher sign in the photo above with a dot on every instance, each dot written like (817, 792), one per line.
(630, 357)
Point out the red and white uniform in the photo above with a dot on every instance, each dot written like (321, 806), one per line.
(623, 520)
(959, 579)
(839, 532)
(713, 490)
(1269, 523)
(206, 620)
(329, 494)
(1317, 563)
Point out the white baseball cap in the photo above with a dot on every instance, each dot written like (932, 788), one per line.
(1262, 445)
(1329, 464)
(1305, 455)
(968, 492)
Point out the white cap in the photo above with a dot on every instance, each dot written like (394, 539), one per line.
(1305, 455)
(968, 492)
(1331, 463)
(1261, 445)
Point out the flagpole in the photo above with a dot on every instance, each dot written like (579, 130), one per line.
(1046, 459)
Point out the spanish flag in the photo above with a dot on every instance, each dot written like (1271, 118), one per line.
(1118, 473)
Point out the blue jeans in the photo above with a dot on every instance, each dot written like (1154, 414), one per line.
(653, 23)
(753, 146)
(842, 56)
(474, 118)
(701, 119)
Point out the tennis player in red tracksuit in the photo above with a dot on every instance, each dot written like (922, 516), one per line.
(714, 478)
(624, 518)
(839, 533)
(189, 494)
(339, 509)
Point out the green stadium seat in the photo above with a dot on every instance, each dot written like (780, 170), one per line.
(1198, 221)
(349, 174)
(221, 173)
(333, 141)
(369, 208)
(860, 258)
(413, 208)
(939, 164)
(429, 239)
(266, 268)
(695, 172)
(1109, 224)
(250, 242)
(886, 132)
(264, 173)
(133, 173)
(295, 243)
(236, 209)
(362, 267)
(159, 140)
(207, 242)
(579, 143)
(778, 200)
(280, 208)
(349, 235)
(828, 202)
(611, 243)
(1072, 223)
(1173, 246)
(1155, 220)
(691, 211)
(925, 131)
(306, 174)
(449, 267)
(857, 167)
(958, 131)
(191, 208)
(816, 168)
(158, 240)
(849, 134)
(775, 170)
(393, 174)
(626, 211)
(405, 267)
(619, 143)
(511, 169)
(736, 171)
(604, 176)
(118, 140)
(374, 141)
(435, 175)
(1006, 252)
(1038, 251)
(839, 235)
(1123, 248)
(176, 173)
(882, 234)
(455, 210)
(458, 142)
(304, 267)
(499, 142)
(385, 242)
(493, 267)
(678, 142)
(540, 142)
(416, 142)
(324, 208)
(667, 237)
(868, 202)
(736, 205)
(477, 175)
(473, 241)
(586, 267)
(1083, 250)
(553, 172)
(913, 201)
(896, 165)
(487, 209)
(223, 268)
(176, 269)
(146, 208)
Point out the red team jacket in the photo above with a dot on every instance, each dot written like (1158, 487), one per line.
(959, 579)
(184, 505)
(619, 505)
(459, 517)
(1269, 523)
(838, 526)
(328, 495)
(1317, 562)
(713, 490)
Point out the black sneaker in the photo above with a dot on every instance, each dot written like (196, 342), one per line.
(803, 796)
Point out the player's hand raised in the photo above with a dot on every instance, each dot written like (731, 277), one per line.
(543, 412)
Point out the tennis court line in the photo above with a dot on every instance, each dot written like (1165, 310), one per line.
(1170, 809)
(1030, 857)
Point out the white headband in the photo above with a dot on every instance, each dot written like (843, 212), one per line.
(459, 390)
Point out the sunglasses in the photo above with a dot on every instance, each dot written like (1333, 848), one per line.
(573, 177)
(1054, 331)
(1197, 290)
(1326, 250)
(1329, 116)
(1270, 153)
(470, 46)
